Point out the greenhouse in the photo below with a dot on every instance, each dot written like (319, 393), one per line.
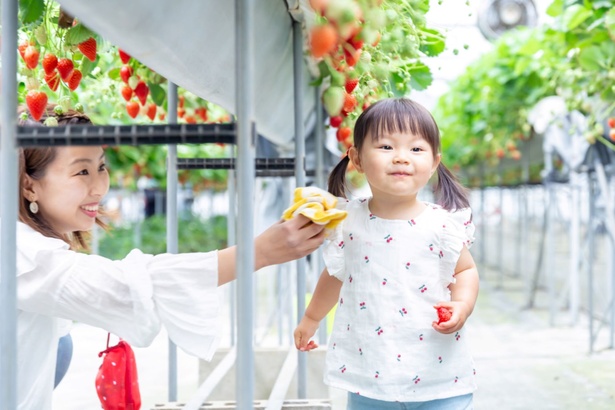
(232, 204)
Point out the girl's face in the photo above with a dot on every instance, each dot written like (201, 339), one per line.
(396, 165)
(69, 193)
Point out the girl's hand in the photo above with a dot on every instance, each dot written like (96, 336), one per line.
(304, 331)
(287, 240)
(459, 315)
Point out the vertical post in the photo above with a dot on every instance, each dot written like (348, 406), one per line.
(8, 210)
(321, 183)
(483, 218)
(300, 178)
(575, 229)
(549, 273)
(244, 20)
(591, 259)
(231, 235)
(172, 239)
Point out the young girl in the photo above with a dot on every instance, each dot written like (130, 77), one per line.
(61, 193)
(389, 264)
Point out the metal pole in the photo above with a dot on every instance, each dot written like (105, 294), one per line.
(8, 211)
(231, 232)
(172, 239)
(321, 183)
(591, 259)
(549, 273)
(483, 218)
(244, 20)
(300, 178)
(575, 229)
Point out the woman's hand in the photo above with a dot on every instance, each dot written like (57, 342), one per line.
(286, 241)
(304, 331)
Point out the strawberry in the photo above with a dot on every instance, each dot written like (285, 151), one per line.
(611, 122)
(151, 111)
(612, 134)
(333, 100)
(22, 48)
(343, 133)
(141, 91)
(350, 103)
(88, 48)
(30, 56)
(323, 40)
(162, 116)
(52, 80)
(190, 119)
(181, 112)
(127, 92)
(123, 56)
(132, 108)
(36, 101)
(125, 73)
(65, 68)
(351, 56)
(181, 101)
(351, 84)
(201, 112)
(444, 315)
(50, 63)
(336, 121)
(74, 80)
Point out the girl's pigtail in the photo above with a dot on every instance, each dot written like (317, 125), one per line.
(450, 193)
(337, 178)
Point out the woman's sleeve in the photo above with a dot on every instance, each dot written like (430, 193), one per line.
(131, 298)
(457, 232)
(333, 253)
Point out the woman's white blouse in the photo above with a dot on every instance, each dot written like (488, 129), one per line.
(393, 272)
(131, 298)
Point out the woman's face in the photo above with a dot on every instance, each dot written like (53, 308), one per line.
(69, 193)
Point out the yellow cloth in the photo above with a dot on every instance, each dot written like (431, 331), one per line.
(317, 205)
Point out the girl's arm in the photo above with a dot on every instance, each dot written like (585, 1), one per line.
(325, 296)
(282, 242)
(463, 294)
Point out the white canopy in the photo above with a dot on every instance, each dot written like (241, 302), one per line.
(192, 44)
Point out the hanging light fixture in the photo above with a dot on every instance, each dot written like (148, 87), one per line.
(498, 16)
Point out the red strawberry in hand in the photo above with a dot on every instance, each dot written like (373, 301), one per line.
(65, 68)
(88, 48)
(50, 63)
(444, 315)
(36, 101)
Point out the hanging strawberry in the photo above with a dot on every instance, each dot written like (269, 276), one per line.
(88, 48)
(36, 101)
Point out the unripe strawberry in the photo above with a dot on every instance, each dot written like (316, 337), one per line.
(333, 100)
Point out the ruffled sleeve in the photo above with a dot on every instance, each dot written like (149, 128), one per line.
(457, 232)
(131, 298)
(333, 251)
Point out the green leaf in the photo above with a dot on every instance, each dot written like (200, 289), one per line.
(31, 11)
(575, 15)
(114, 73)
(87, 66)
(556, 8)
(432, 43)
(78, 34)
(610, 22)
(158, 93)
(420, 76)
(591, 58)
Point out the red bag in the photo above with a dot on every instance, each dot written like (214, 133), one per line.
(117, 383)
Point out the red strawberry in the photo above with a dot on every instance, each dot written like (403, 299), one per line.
(36, 101)
(30, 56)
(88, 48)
(611, 122)
(151, 111)
(132, 108)
(125, 73)
(343, 133)
(323, 40)
(52, 80)
(444, 315)
(22, 48)
(336, 121)
(74, 80)
(350, 103)
(65, 68)
(612, 134)
(127, 92)
(141, 91)
(201, 112)
(351, 84)
(162, 116)
(123, 56)
(50, 63)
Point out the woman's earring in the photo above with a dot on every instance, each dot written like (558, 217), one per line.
(33, 207)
